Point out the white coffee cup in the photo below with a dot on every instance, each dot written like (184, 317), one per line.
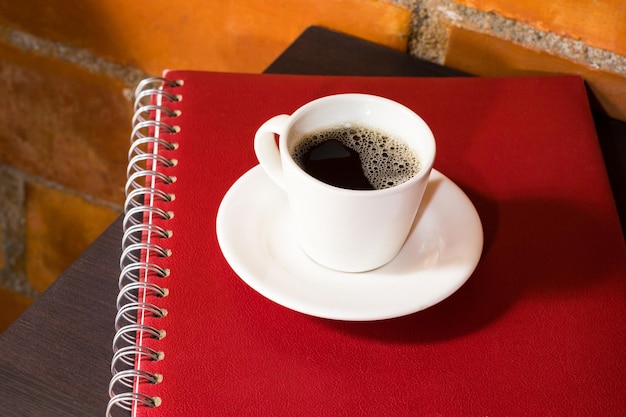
(344, 229)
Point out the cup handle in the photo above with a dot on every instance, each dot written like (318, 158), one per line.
(266, 148)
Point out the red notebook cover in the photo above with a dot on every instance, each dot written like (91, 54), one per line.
(539, 329)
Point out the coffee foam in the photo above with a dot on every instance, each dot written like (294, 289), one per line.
(386, 161)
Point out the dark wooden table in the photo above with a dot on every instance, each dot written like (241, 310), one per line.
(55, 359)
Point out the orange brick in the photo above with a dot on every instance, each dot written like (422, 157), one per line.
(486, 55)
(58, 229)
(243, 35)
(2, 261)
(12, 305)
(598, 23)
(63, 122)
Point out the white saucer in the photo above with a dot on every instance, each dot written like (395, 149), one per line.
(254, 233)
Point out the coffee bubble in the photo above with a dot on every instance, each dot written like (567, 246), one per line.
(384, 160)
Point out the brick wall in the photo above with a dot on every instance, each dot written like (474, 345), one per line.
(68, 71)
(524, 37)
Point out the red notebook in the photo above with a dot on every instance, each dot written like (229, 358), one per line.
(538, 329)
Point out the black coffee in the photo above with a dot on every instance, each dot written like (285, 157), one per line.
(356, 157)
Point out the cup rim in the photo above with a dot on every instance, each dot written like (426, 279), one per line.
(424, 169)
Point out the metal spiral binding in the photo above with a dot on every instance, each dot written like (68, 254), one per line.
(144, 178)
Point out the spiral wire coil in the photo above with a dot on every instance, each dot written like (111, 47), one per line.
(142, 188)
